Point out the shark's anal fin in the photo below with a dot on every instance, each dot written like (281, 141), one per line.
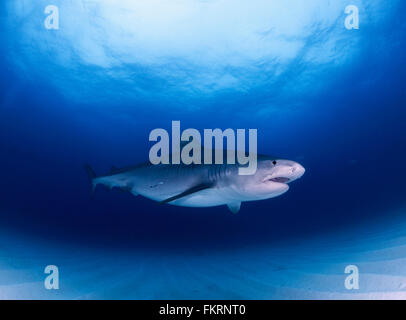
(234, 207)
(188, 192)
(128, 189)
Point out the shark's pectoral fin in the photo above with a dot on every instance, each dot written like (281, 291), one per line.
(234, 207)
(188, 192)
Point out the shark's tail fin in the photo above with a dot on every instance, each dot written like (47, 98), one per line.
(92, 175)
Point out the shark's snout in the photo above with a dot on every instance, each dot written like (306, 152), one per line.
(297, 171)
(285, 171)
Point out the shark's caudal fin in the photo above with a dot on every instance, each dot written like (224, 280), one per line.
(91, 174)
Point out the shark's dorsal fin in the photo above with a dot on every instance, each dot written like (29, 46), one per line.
(234, 207)
(188, 192)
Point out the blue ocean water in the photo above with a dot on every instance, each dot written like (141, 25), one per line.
(90, 92)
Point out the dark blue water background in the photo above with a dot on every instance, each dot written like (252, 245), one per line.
(346, 127)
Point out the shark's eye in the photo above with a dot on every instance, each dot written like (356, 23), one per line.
(274, 162)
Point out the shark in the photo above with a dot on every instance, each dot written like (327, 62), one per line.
(202, 185)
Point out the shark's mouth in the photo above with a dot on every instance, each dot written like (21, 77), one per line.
(280, 179)
(277, 179)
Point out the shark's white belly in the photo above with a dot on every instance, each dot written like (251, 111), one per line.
(205, 198)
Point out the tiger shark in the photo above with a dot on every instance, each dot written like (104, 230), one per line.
(203, 185)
